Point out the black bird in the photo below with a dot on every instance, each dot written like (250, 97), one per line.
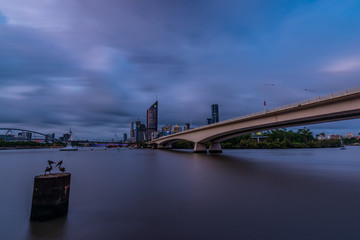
(59, 164)
(62, 169)
(48, 169)
(51, 162)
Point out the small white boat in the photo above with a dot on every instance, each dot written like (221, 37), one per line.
(69, 148)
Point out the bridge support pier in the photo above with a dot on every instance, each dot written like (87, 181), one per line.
(200, 148)
(215, 148)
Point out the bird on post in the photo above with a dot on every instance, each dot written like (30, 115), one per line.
(62, 169)
(48, 169)
(51, 162)
(59, 164)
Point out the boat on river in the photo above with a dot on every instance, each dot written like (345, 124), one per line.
(342, 146)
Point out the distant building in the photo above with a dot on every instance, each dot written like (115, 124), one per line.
(166, 130)
(29, 136)
(349, 135)
(152, 120)
(259, 136)
(215, 113)
(21, 137)
(332, 136)
(187, 126)
(209, 121)
(132, 129)
(7, 137)
(155, 135)
(125, 137)
(177, 128)
(140, 133)
(66, 137)
(320, 136)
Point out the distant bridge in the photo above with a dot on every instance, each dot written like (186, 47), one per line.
(47, 137)
(337, 106)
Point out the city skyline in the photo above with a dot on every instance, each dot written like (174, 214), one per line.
(96, 66)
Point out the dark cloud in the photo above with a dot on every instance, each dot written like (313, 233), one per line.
(98, 65)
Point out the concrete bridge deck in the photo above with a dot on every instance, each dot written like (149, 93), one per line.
(336, 106)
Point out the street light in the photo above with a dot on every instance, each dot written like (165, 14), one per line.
(263, 88)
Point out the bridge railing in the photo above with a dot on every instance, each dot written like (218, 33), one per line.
(316, 99)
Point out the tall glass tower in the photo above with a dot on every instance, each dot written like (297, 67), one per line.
(152, 120)
(131, 129)
(215, 113)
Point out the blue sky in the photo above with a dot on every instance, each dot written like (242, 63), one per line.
(95, 66)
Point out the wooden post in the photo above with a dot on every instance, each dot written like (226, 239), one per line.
(50, 196)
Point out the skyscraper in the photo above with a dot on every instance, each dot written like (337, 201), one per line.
(131, 129)
(152, 120)
(215, 113)
(140, 132)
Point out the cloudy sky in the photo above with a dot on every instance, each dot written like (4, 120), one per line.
(94, 66)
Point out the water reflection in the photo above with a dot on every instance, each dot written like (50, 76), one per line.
(153, 194)
(54, 229)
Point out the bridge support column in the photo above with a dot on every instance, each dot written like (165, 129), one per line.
(215, 148)
(200, 148)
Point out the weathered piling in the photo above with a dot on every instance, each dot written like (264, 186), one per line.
(50, 196)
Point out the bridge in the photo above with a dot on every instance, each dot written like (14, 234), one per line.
(28, 136)
(337, 106)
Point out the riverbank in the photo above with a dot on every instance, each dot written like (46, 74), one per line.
(4, 145)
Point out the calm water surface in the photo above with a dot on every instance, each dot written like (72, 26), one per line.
(154, 194)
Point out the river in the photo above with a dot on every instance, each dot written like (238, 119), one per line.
(156, 194)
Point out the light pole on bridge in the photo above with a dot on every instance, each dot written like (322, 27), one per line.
(263, 88)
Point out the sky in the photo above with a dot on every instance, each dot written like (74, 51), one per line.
(94, 66)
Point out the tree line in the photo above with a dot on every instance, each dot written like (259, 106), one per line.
(276, 138)
(29, 144)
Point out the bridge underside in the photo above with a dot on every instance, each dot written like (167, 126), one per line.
(300, 122)
(329, 110)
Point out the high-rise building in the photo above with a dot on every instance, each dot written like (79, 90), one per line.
(187, 126)
(131, 129)
(215, 113)
(125, 137)
(152, 120)
(140, 132)
(209, 121)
